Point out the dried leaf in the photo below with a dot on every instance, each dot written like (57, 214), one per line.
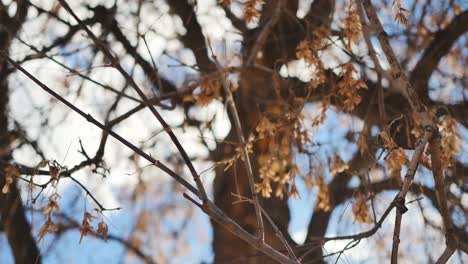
(52, 205)
(42, 164)
(361, 210)
(10, 172)
(352, 26)
(264, 187)
(387, 140)
(102, 230)
(226, 3)
(86, 227)
(349, 87)
(48, 227)
(338, 165)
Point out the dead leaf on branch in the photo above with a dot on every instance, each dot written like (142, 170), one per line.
(48, 228)
(361, 210)
(102, 230)
(401, 13)
(86, 227)
(10, 172)
(387, 140)
(338, 165)
(323, 194)
(250, 9)
(451, 141)
(349, 87)
(395, 161)
(52, 205)
(264, 188)
(352, 25)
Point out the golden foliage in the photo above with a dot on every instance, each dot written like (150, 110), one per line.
(264, 187)
(352, 26)
(323, 113)
(294, 193)
(323, 194)
(457, 9)
(265, 127)
(451, 141)
(401, 13)
(348, 88)
(395, 161)
(239, 150)
(307, 50)
(276, 135)
(272, 169)
(387, 140)
(210, 90)
(361, 210)
(250, 9)
(10, 172)
(338, 165)
(304, 51)
(301, 136)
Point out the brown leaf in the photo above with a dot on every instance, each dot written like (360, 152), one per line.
(48, 227)
(86, 227)
(10, 172)
(338, 165)
(102, 230)
(361, 210)
(42, 164)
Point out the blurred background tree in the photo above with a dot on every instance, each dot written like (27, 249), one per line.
(336, 130)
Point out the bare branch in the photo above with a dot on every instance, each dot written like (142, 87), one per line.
(399, 78)
(116, 64)
(194, 38)
(92, 120)
(400, 198)
(265, 31)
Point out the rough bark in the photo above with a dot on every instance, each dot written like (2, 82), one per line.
(13, 216)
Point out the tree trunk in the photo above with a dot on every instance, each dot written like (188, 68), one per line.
(233, 184)
(13, 219)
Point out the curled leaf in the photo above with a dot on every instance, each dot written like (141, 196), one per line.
(102, 230)
(10, 172)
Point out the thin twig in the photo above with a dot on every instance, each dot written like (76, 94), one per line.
(102, 208)
(116, 64)
(265, 32)
(245, 153)
(208, 207)
(222, 219)
(280, 235)
(92, 120)
(448, 252)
